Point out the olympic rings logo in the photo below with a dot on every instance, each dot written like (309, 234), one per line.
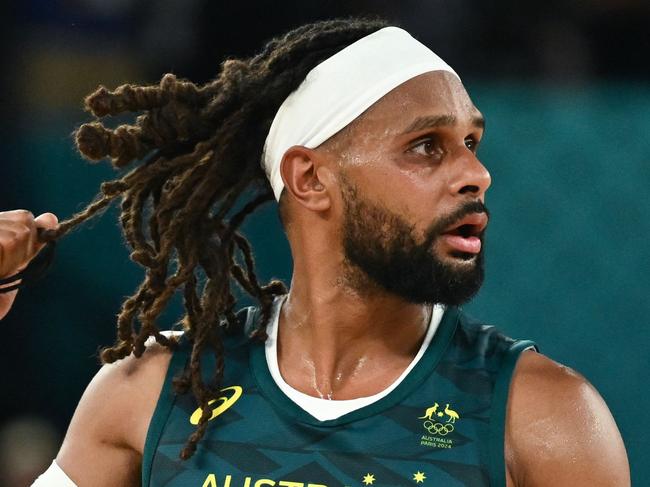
(438, 428)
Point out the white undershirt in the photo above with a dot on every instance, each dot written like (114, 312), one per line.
(53, 477)
(324, 409)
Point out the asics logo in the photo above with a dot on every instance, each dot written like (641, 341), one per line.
(225, 402)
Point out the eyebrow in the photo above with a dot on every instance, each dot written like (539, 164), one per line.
(433, 121)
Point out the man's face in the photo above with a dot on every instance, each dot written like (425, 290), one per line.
(386, 247)
(412, 193)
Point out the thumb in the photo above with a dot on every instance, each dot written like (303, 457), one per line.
(47, 220)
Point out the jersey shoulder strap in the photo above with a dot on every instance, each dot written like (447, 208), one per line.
(233, 339)
(479, 363)
(497, 463)
(501, 355)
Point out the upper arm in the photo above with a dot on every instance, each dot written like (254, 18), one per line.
(105, 440)
(559, 431)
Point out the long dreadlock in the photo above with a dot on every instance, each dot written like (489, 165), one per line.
(200, 148)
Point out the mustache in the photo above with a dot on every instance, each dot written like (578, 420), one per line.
(444, 222)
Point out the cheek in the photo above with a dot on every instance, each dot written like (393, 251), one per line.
(370, 171)
(418, 194)
(415, 191)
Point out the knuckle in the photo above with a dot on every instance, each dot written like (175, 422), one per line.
(24, 216)
(18, 216)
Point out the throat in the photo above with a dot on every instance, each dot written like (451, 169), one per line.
(360, 369)
(333, 354)
(353, 376)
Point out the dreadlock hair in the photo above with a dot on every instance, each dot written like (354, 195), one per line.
(200, 148)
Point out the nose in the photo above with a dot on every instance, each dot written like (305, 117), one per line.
(469, 176)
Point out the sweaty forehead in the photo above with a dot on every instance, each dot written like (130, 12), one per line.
(435, 93)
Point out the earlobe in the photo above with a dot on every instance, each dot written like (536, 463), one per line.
(300, 170)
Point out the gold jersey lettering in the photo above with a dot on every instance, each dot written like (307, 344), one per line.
(211, 481)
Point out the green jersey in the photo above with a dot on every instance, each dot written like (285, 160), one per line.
(443, 425)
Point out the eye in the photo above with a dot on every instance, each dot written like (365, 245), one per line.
(426, 147)
(471, 143)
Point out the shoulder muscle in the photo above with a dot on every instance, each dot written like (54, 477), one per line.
(105, 440)
(559, 431)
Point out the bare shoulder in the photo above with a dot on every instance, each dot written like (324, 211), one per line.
(105, 440)
(559, 431)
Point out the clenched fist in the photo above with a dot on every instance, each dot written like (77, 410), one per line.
(19, 245)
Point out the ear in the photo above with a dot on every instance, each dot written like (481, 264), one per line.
(306, 178)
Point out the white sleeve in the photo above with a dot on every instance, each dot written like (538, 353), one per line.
(53, 477)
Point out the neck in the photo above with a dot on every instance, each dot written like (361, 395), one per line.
(335, 342)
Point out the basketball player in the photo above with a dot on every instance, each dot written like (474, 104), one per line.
(365, 372)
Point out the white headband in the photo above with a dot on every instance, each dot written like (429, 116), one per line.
(340, 89)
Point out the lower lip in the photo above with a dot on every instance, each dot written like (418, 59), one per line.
(470, 245)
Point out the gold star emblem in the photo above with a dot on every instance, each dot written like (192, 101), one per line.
(419, 477)
(368, 479)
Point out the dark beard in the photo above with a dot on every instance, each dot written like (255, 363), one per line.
(383, 246)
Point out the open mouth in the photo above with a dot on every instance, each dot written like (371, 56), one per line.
(465, 235)
(466, 230)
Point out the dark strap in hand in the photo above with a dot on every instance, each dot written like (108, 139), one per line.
(34, 270)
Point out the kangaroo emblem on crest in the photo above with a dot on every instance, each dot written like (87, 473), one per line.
(428, 414)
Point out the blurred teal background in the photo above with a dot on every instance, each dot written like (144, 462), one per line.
(567, 144)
